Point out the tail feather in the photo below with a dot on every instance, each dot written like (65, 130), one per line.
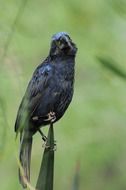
(25, 158)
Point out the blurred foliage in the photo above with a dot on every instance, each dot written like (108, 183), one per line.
(94, 127)
(76, 178)
(112, 66)
(119, 6)
(3, 129)
(10, 35)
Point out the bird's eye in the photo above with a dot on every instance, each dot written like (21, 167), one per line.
(59, 43)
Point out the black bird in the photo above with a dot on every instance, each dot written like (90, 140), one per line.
(47, 96)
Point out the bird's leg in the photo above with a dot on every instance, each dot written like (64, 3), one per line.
(45, 144)
(44, 138)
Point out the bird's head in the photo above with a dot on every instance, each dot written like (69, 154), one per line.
(62, 44)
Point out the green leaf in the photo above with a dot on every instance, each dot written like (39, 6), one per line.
(112, 65)
(45, 178)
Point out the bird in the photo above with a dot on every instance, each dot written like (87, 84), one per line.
(47, 97)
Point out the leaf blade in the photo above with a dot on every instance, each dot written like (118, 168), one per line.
(46, 174)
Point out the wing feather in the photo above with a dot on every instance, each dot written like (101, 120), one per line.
(36, 87)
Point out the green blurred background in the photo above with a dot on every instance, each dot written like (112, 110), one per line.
(93, 131)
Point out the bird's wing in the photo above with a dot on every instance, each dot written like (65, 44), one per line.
(37, 85)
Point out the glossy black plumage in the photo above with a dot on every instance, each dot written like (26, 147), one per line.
(48, 93)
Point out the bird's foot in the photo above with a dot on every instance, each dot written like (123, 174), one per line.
(44, 145)
(51, 117)
(55, 146)
(52, 148)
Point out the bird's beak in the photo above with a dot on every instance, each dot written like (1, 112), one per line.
(61, 45)
(68, 42)
(71, 45)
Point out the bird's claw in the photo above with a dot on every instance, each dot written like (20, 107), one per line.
(55, 146)
(52, 148)
(44, 145)
(51, 117)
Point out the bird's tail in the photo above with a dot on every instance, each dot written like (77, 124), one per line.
(25, 158)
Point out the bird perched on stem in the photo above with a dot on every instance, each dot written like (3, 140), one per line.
(47, 97)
